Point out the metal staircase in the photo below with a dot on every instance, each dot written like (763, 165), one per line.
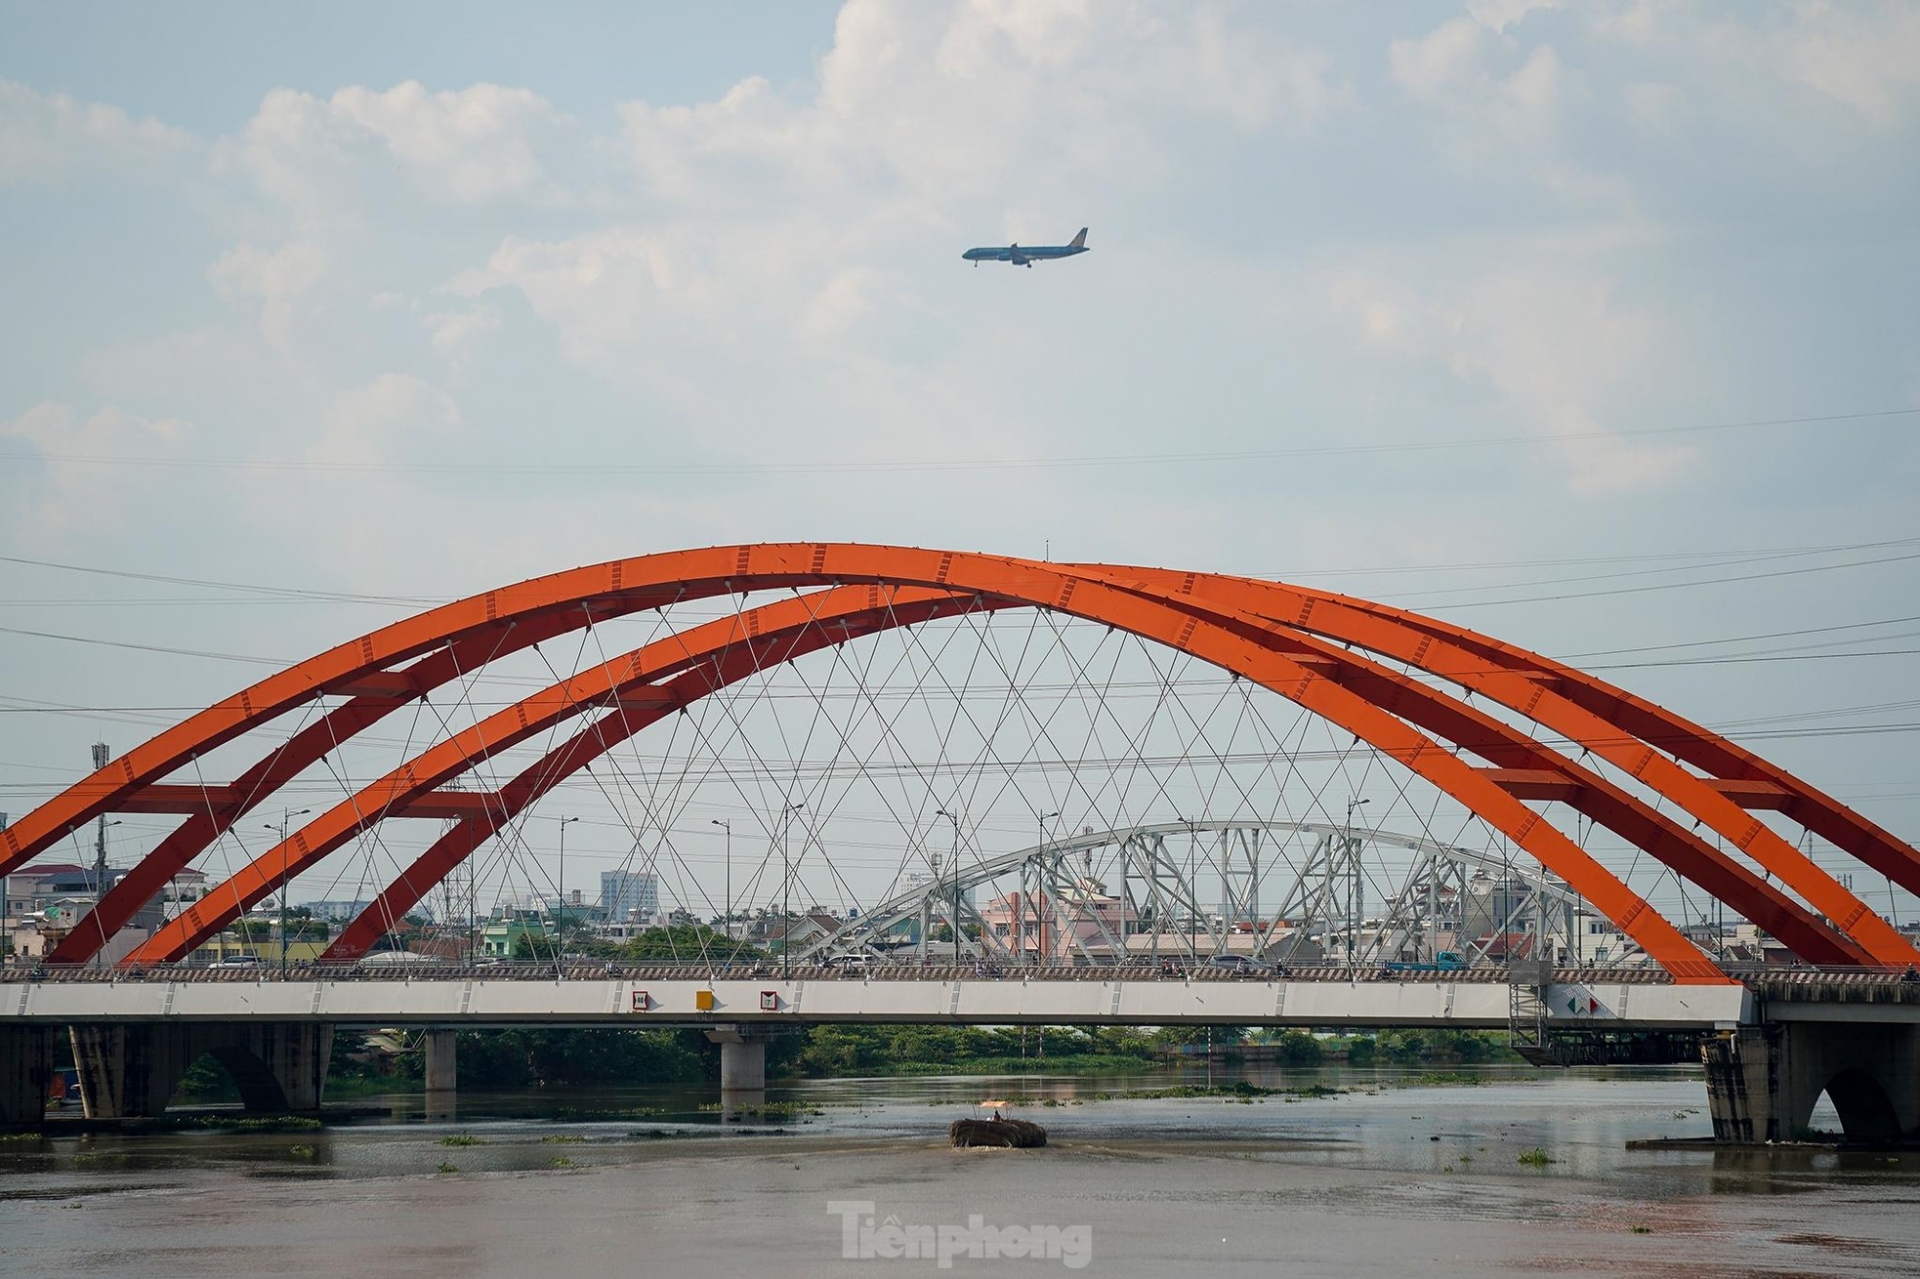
(1527, 982)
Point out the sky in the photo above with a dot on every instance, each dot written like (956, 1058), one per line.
(1589, 326)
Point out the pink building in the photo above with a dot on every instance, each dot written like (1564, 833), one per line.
(1036, 927)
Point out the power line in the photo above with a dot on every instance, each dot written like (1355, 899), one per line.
(1670, 586)
(294, 592)
(839, 467)
(144, 648)
(1725, 561)
(1742, 639)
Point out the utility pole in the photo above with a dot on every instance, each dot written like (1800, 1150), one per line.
(286, 819)
(560, 919)
(1354, 887)
(726, 920)
(6, 933)
(786, 888)
(956, 883)
(100, 757)
(1039, 922)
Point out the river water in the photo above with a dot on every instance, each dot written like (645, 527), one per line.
(1400, 1173)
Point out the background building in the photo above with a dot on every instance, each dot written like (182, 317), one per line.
(628, 895)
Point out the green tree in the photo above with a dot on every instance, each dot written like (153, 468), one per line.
(1218, 1036)
(688, 942)
(1298, 1048)
(515, 1057)
(531, 946)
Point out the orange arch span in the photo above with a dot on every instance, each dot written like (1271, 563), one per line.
(836, 616)
(1212, 629)
(1512, 683)
(697, 574)
(1525, 762)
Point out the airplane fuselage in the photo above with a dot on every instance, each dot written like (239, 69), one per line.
(1027, 255)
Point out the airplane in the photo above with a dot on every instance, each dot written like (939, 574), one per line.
(1027, 257)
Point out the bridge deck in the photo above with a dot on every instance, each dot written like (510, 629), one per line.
(673, 995)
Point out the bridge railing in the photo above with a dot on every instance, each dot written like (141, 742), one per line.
(761, 970)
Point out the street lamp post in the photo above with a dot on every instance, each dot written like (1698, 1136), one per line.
(1354, 888)
(1039, 919)
(726, 920)
(786, 890)
(560, 919)
(956, 883)
(286, 819)
(99, 881)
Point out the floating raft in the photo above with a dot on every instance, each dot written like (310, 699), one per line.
(1015, 1133)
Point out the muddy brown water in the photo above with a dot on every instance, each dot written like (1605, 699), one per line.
(1401, 1173)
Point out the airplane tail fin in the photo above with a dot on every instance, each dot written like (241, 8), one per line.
(1079, 241)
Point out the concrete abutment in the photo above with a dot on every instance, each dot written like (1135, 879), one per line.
(1764, 1080)
(26, 1070)
(131, 1069)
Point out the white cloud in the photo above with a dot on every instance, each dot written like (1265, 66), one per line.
(939, 106)
(1651, 104)
(1764, 61)
(839, 306)
(1498, 107)
(1446, 58)
(453, 333)
(1498, 15)
(478, 144)
(269, 281)
(1489, 112)
(377, 422)
(80, 489)
(766, 218)
(600, 290)
(44, 137)
(1865, 58)
(1541, 326)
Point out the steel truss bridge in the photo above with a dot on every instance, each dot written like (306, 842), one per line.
(1545, 761)
(1136, 894)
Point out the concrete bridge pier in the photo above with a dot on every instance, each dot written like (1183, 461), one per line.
(132, 1069)
(26, 1070)
(743, 1068)
(442, 1072)
(1764, 1080)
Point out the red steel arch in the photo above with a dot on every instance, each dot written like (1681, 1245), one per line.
(1255, 629)
(851, 615)
(1524, 763)
(795, 627)
(210, 817)
(1512, 683)
(1737, 772)
(705, 573)
(1017, 582)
